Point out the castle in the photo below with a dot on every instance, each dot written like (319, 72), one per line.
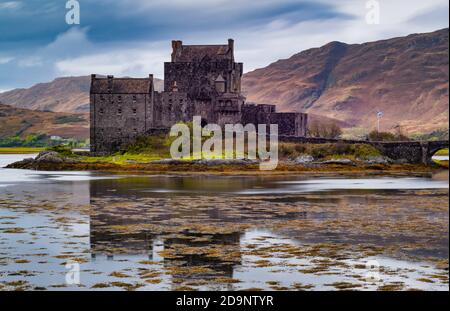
(200, 80)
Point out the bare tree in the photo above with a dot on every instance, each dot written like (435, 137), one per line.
(324, 129)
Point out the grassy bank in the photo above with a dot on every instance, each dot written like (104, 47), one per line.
(140, 155)
(283, 168)
(20, 150)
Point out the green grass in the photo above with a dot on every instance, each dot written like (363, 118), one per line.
(122, 159)
(19, 150)
(328, 151)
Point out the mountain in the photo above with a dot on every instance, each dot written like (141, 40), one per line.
(406, 78)
(67, 94)
(21, 122)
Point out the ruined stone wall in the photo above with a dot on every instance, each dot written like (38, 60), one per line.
(289, 123)
(257, 114)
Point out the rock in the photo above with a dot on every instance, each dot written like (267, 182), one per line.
(25, 163)
(339, 162)
(49, 157)
(378, 160)
(207, 162)
(43, 160)
(304, 159)
(215, 162)
(169, 161)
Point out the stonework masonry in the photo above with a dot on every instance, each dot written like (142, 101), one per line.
(200, 80)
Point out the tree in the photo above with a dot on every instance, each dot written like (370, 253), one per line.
(386, 136)
(324, 129)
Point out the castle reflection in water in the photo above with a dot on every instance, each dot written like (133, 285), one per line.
(146, 242)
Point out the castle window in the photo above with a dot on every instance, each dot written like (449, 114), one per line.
(134, 97)
(119, 98)
(119, 111)
(101, 110)
(102, 97)
(134, 110)
(220, 84)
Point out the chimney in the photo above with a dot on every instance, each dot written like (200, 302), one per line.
(231, 44)
(93, 76)
(231, 48)
(152, 87)
(176, 47)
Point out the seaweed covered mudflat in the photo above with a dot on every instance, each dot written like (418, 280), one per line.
(377, 240)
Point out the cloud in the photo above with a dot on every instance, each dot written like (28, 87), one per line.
(127, 62)
(5, 60)
(10, 5)
(132, 37)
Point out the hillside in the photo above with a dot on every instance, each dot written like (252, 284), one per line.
(406, 78)
(67, 94)
(22, 122)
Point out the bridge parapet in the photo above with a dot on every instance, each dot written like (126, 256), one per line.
(411, 151)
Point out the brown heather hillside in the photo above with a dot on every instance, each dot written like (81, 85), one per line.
(406, 78)
(68, 94)
(21, 122)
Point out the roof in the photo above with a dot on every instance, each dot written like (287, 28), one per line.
(220, 79)
(121, 85)
(189, 53)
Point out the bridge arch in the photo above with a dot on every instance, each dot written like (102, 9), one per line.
(434, 147)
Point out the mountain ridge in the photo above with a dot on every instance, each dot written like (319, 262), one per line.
(405, 77)
(351, 82)
(22, 122)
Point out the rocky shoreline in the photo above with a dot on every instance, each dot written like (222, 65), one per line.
(51, 160)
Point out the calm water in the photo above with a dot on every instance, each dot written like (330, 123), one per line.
(215, 232)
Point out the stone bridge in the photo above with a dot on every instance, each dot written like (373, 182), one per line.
(412, 151)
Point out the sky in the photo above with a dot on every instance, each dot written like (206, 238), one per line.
(133, 37)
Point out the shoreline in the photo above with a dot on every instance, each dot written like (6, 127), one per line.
(283, 169)
(63, 160)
